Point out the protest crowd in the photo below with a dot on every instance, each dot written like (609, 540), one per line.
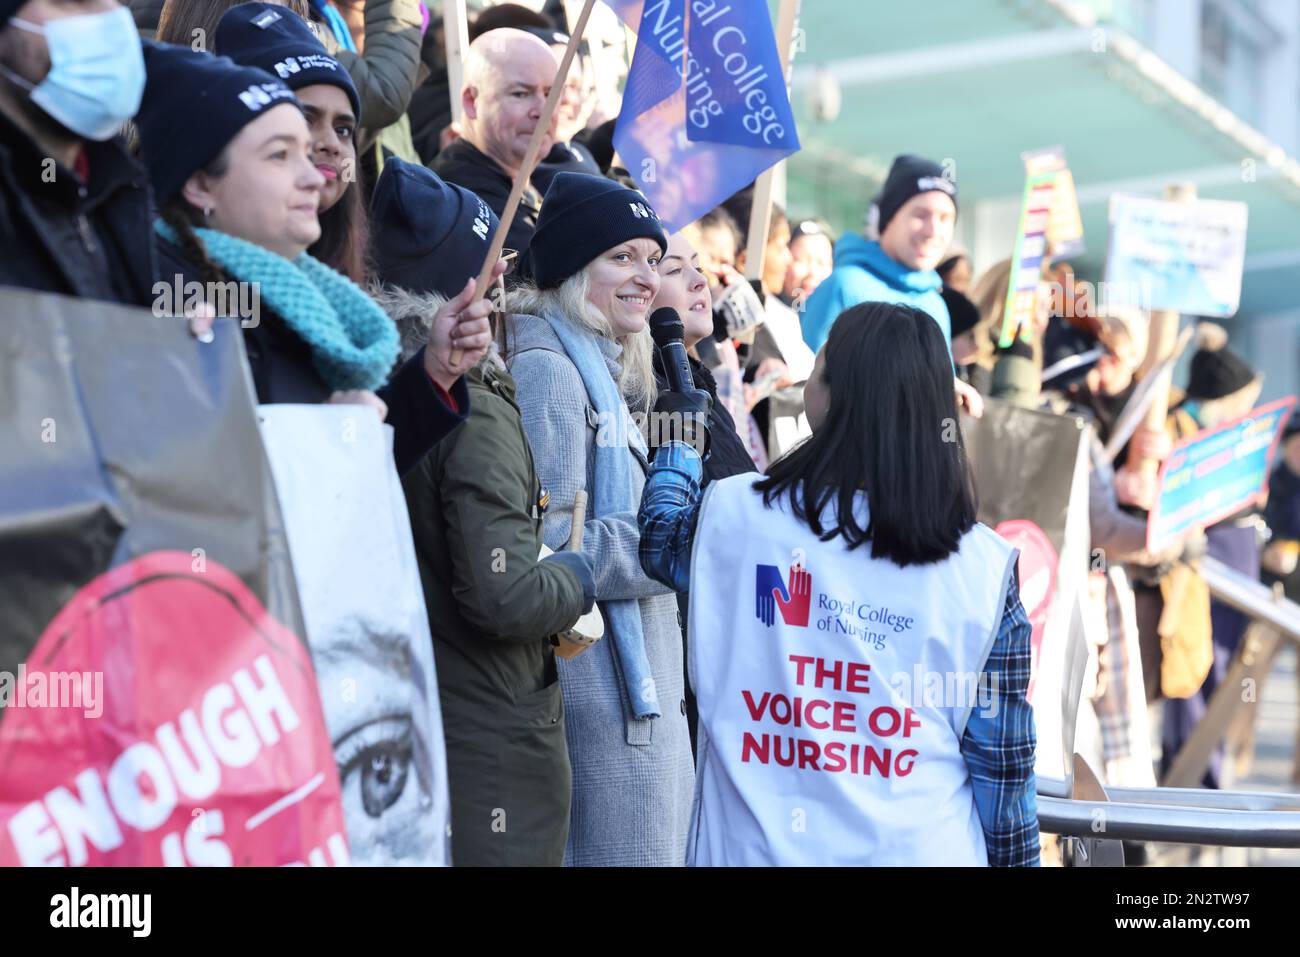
(791, 436)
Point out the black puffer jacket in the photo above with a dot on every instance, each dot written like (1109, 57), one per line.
(727, 454)
(60, 235)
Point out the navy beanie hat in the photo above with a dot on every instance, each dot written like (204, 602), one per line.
(963, 315)
(582, 216)
(1216, 370)
(194, 104)
(427, 235)
(277, 40)
(563, 157)
(911, 176)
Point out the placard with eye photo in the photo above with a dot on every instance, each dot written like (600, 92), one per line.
(354, 561)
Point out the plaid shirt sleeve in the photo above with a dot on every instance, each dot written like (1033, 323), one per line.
(670, 505)
(999, 745)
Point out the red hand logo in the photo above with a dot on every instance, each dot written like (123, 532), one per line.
(794, 610)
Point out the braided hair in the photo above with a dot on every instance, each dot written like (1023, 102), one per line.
(178, 213)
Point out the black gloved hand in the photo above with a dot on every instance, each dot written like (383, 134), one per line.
(1018, 348)
(681, 417)
(580, 565)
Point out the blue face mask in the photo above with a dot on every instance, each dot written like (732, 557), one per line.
(96, 73)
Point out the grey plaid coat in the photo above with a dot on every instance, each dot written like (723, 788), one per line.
(633, 780)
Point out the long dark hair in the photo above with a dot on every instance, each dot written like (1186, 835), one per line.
(892, 432)
(345, 236)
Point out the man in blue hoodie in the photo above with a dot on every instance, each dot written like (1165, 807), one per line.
(917, 211)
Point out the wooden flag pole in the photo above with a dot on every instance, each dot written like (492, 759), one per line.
(455, 37)
(1161, 341)
(530, 160)
(760, 217)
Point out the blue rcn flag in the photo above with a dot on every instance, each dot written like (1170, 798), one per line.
(705, 109)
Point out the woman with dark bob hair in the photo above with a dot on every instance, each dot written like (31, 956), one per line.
(868, 705)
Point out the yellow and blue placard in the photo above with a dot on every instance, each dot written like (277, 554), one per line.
(1215, 473)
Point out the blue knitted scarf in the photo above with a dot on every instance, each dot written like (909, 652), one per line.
(353, 343)
(610, 496)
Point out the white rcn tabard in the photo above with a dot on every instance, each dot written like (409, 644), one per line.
(833, 691)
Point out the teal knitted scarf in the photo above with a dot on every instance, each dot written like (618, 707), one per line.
(353, 342)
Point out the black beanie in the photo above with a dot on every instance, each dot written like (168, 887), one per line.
(1216, 370)
(910, 176)
(428, 235)
(582, 216)
(277, 40)
(962, 313)
(194, 104)
(570, 157)
(8, 8)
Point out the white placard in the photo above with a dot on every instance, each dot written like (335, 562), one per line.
(1185, 257)
(363, 606)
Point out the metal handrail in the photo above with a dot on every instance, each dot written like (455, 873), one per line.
(1250, 597)
(1169, 824)
(1204, 798)
(1188, 815)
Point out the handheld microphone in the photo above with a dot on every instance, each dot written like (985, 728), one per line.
(667, 331)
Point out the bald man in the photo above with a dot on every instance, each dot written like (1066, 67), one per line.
(508, 74)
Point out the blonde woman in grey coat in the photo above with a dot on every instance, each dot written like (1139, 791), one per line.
(580, 351)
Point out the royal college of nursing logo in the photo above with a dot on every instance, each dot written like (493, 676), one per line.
(771, 593)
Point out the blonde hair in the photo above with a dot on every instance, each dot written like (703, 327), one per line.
(636, 378)
(989, 294)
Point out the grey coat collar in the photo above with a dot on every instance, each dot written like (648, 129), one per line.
(533, 332)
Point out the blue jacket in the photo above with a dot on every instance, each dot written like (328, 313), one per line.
(864, 273)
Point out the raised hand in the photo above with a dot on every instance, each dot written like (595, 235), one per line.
(968, 399)
(1150, 444)
(1133, 487)
(459, 335)
(681, 417)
